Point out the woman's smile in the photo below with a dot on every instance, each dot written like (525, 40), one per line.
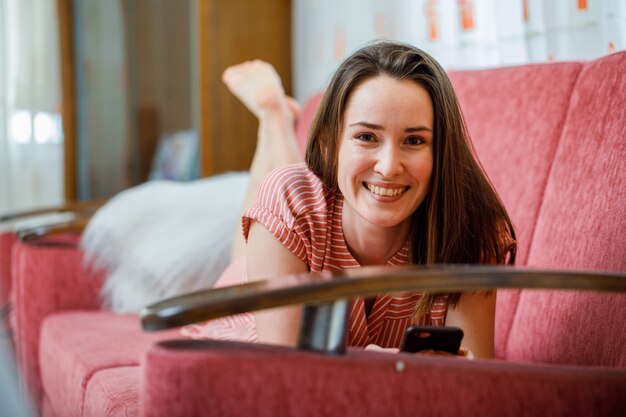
(385, 190)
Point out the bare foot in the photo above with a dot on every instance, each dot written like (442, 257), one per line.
(256, 84)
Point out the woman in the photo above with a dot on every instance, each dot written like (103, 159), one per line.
(389, 179)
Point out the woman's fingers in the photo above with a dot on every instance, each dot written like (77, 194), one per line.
(435, 352)
(466, 353)
(381, 349)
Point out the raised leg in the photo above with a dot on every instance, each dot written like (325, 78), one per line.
(258, 86)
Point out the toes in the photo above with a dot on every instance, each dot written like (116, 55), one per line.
(229, 75)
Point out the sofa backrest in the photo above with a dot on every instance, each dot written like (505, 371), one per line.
(515, 123)
(515, 117)
(582, 222)
(581, 225)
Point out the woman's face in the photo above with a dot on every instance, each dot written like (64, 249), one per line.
(385, 151)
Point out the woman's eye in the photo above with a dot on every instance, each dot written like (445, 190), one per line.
(366, 137)
(414, 140)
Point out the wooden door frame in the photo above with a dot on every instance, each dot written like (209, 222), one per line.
(65, 17)
(206, 10)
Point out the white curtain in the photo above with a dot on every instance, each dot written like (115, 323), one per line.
(458, 33)
(31, 142)
(4, 171)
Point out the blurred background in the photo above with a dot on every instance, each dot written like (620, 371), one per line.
(98, 96)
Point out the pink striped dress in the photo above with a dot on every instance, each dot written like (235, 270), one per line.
(297, 209)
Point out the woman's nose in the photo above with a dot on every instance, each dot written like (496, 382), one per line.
(389, 162)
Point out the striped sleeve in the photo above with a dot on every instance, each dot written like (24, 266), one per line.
(291, 205)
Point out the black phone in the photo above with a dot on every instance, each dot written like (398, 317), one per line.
(439, 338)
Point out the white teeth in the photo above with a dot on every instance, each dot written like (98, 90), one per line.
(389, 192)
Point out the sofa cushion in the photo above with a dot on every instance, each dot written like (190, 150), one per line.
(77, 345)
(581, 225)
(113, 392)
(237, 379)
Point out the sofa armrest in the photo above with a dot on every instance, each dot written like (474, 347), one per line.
(186, 378)
(53, 226)
(325, 294)
(70, 207)
(32, 225)
(237, 379)
(47, 279)
(55, 234)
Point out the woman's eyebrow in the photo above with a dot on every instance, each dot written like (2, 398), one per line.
(375, 126)
(372, 126)
(418, 129)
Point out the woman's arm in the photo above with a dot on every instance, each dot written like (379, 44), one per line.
(475, 314)
(267, 258)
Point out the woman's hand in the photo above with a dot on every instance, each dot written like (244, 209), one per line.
(464, 353)
(377, 348)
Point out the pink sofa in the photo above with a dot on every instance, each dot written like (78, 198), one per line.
(552, 138)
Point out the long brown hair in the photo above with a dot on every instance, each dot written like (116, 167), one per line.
(462, 219)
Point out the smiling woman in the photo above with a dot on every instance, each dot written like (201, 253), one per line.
(389, 179)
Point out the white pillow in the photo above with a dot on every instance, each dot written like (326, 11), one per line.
(162, 238)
